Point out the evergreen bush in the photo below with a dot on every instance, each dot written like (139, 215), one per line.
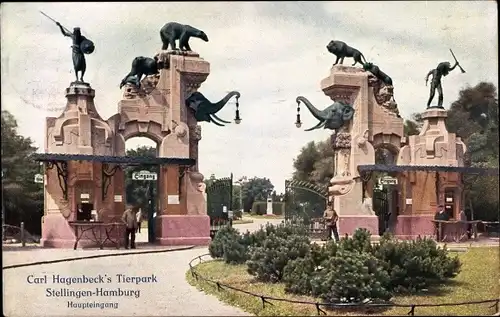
(235, 252)
(415, 265)
(222, 237)
(359, 242)
(352, 277)
(298, 273)
(267, 262)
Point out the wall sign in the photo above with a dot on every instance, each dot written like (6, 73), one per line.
(173, 199)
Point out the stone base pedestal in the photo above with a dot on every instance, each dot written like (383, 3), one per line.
(412, 226)
(56, 232)
(183, 230)
(349, 223)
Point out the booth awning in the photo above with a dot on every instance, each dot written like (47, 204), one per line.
(428, 168)
(128, 160)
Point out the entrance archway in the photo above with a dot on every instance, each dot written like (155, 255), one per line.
(385, 191)
(141, 185)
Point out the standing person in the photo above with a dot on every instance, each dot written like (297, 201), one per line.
(331, 218)
(440, 215)
(130, 219)
(139, 220)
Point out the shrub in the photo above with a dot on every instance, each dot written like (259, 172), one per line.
(415, 265)
(222, 237)
(298, 273)
(235, 252)
(359, 242)
(282, 230)
(267, 262)
(350, 276)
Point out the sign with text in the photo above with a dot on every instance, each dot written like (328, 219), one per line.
(389, 181)
(144, 176)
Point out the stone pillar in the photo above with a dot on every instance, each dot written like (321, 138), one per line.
(78, 130)
(351, 148)
(434, 146)
(183, 218)
(269, 210)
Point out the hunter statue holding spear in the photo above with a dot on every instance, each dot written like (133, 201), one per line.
(81, 45)
(441, 70)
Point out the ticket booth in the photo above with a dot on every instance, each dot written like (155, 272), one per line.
(450, 203)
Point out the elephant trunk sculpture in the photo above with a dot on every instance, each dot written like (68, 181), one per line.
(204, 110)
(332, 117)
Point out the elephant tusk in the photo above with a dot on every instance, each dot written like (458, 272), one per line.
(219, 119)
(319, 125)
(215, 122)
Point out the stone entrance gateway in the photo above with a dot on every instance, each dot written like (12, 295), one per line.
(88, 153)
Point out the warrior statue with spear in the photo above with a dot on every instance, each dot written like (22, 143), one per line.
(81, 45)
(441, 70)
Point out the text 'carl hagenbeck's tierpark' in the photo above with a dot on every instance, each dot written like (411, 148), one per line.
(91, 286)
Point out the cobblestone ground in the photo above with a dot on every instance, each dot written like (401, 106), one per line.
(171, 295)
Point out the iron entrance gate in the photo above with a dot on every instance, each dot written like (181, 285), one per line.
(304, 201)
(381, 208)
(219, 202)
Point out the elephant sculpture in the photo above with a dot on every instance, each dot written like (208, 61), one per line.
(333, 117)
(204, 110)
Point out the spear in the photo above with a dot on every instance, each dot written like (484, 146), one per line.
(65, 29)
(456, 61)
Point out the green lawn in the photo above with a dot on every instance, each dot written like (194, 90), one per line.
(478, 280)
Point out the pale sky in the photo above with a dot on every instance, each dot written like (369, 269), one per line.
(270, 52)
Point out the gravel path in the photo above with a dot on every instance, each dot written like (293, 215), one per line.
(255, 225)
(171, 295)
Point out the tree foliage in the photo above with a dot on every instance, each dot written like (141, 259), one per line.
(413, 125)
(255, 189)
(22, 197)
(474, 118)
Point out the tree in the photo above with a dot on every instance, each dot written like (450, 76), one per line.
(474, 118)
(22, 197)
(413, 125)
(137, 192)
(315, 163)
(255, 189)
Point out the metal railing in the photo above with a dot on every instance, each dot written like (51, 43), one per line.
(19, 234)
(268, 299)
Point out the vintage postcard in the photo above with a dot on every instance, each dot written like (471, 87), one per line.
(250, 158)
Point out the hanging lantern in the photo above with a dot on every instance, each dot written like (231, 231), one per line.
(298, 123)
(237, 118)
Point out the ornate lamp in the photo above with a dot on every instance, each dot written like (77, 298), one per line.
(298, 123)
(237, 118)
